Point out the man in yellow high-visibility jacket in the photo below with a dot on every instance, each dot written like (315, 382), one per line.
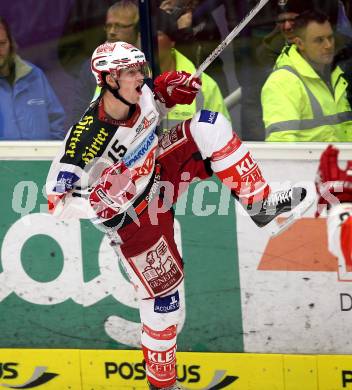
(304, 99)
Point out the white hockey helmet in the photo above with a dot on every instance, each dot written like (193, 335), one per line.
(111, 57)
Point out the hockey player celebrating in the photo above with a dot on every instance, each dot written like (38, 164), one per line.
(114, 169)
(334, 186)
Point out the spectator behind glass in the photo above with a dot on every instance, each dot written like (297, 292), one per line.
(305, 99)
(170, 59)
(198, 33)
(343, 57)
(82, 33)
(122, 24)
(263, 62)
(348, 8)
(29, 108)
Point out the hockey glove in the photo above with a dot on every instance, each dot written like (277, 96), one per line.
(173, 88)
(112, 191)
(332, 183)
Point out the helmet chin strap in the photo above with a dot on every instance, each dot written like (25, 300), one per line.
(116, 94)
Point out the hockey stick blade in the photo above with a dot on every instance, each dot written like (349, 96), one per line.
(237, 29)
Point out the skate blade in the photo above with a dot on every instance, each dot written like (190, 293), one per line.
(285, 220)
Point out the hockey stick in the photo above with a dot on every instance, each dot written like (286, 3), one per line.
(237, 29)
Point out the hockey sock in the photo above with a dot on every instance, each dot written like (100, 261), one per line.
(238, 170)
(159, 350)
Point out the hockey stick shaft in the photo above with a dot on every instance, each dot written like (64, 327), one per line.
(215, 53)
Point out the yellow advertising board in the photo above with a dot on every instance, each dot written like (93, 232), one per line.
(40, 368)
(234, 371)
(124, 370)
(105, 370)
(300, 372)
(108, 370)
(335, 372)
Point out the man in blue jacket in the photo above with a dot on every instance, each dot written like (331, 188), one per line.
(29, 108)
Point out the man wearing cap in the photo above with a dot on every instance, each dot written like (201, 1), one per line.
(304, 98)
(273, 43)
(170, 59)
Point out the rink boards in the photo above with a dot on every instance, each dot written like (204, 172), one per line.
(61, 285)
(246, 292)
(111, 370)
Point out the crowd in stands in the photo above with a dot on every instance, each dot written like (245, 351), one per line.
(293, 63)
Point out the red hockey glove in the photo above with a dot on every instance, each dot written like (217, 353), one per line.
(173, 88)
(331, 180)
(114, 188)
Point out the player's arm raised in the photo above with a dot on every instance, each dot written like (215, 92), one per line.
(175, 87)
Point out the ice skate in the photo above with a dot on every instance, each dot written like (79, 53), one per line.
(175, 386)
(293, 201)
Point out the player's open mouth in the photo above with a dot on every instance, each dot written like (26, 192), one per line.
(139, 90)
